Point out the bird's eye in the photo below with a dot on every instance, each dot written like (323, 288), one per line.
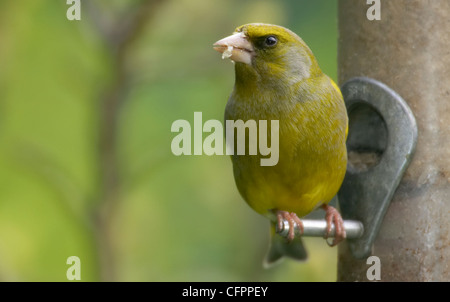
(271, 41)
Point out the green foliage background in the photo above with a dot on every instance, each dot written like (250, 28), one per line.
(174, 218)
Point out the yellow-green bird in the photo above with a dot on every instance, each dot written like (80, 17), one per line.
(278, 78)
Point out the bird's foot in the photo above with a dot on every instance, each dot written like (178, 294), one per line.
(332, 216)
(292, 219)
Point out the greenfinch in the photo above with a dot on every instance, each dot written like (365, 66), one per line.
(278, 78)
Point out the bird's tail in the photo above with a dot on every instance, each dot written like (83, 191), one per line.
(279, 248)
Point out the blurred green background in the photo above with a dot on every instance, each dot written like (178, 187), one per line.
(86, 167)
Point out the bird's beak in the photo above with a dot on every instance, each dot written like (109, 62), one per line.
(236, 47)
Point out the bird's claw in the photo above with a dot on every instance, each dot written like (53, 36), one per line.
(293, 220)
(332, 216)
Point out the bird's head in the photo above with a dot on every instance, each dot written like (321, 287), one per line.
(268, 53)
